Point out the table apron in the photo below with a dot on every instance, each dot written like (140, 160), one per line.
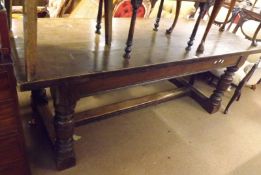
(118, 79)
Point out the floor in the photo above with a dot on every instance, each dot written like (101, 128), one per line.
(173, 138)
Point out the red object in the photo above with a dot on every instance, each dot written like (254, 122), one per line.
(124, 9)
(236, 20)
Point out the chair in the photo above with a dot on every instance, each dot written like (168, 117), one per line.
(251, 78)
(245, 14)
(202, 5)
(248, 74)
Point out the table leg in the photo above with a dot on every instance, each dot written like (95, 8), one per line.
(232, 4)
(225, 81)
(99, 17)
(108, 21)
(64, 104)
(176, 17)
(156, 25)
(216, 8)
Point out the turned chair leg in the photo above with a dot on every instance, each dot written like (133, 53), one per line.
(232, 4)
(156, 25)
(168, 31)
(216, 8)
(135, 5)
(99, 17)
(202, 12)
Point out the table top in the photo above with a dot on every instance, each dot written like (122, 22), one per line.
(69, 48)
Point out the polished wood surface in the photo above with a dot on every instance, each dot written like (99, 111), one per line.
(67, 48)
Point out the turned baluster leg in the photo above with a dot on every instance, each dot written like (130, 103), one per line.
(202, 12)
(64, 104)
(135, 5)
(216, 8)
(232, 4)
(225, 81)
(254, 43)
(99, 17)
(176, 17)
(156, 25)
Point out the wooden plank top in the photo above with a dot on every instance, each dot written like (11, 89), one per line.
(69, 48)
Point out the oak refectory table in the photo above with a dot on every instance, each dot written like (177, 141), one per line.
(75, 63)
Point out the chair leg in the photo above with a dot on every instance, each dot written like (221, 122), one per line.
(238, 98)
(156, 25)
(232, 4)
(99, 17)
(202, 12)
(216, 8)
(168, 31)
(253, 87)
(254, 43)
(192, 15)
(235, 96)
(135, 5)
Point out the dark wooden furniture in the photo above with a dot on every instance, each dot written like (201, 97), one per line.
(245, 15)
(75, 64)
(232, 5)
(237, 93)
(12, 150)
(204, 6)
(30, 26)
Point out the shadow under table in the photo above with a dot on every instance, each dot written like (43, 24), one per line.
(75, 63)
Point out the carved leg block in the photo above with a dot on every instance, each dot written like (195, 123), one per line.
(64, 104)
(216, 98)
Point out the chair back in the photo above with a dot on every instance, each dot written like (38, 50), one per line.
(5, 48)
